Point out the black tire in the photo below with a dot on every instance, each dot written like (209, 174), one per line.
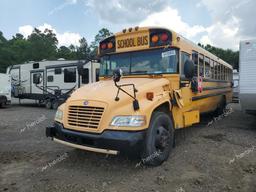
(159, 139)
(221, 107)
(48, 104)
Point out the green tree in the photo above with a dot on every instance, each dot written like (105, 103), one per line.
(20, 46)
(42, 45)
(102, 34)
(6, 54)
(64, 52)
(2, 38)
(83, 51)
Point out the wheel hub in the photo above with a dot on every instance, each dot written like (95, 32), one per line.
(162, 138)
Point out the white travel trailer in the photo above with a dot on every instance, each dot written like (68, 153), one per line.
(235, 86)
(247, 75)
(5, 89)
(51, 82)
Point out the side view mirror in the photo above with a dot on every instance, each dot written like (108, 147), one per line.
(189, 69)
(117, 74)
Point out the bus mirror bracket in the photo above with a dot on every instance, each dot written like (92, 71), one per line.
(116, 78)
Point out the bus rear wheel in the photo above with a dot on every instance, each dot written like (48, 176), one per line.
(221, 106)
(159, 139)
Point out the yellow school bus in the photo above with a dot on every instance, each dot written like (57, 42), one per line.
(152, 82)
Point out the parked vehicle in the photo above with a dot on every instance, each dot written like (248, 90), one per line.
(247, 75)
(51, 82)
(5, 89)
(153, 82)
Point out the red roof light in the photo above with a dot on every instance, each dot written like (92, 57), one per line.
(103, 46)
(164, 37)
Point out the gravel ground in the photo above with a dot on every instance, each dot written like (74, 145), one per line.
(216, 157)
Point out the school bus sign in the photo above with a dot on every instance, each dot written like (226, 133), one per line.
(129, 42)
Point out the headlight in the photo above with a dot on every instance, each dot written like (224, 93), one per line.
(59, 115)
(129, 121)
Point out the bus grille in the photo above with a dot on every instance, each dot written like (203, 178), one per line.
(85, 116)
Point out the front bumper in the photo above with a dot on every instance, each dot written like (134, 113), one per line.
(108, 141)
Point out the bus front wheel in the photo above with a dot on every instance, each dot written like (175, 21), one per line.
(159, 139)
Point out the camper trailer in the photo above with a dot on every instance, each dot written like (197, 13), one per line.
(51, 82)
(5, 89)
(247, 71)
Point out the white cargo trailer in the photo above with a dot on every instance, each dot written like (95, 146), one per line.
(51, 82)
(247, 75)
(5, 89)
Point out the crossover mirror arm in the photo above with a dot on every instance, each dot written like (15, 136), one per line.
(116, 78)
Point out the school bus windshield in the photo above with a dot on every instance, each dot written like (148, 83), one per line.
(156, 61)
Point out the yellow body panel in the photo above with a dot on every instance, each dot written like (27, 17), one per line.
(191, 117)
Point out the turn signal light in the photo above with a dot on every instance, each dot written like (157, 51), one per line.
(155, 38)
(110, 45)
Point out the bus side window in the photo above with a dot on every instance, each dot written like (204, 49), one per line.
(207, 69)
(184, 58)
(201, 65)
(219, 71)
(212, 69)
(97, 74)
(222, 72)
(215, 70)
(225, 73)
(195, 60)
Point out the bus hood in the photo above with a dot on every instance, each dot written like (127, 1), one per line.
(105, 90)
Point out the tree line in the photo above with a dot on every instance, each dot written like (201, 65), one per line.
(44, 45)
(228, 55)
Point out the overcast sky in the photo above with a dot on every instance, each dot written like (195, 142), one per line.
(222, 23)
